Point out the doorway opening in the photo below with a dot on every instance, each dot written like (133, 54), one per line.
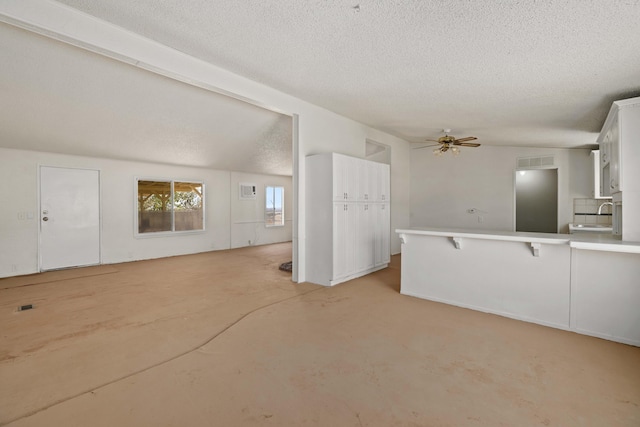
(537, 200)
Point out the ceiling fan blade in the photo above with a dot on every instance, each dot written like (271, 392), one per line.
(426, 146)
(468, 138)
(466, 144)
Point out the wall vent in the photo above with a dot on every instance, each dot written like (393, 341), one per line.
(535, 162)
(247, 191)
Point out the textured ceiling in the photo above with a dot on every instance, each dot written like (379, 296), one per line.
(58, 98)
(527, 72)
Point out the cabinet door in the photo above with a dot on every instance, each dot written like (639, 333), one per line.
(605, 150)
(365, 247)
(374, 181)
(605, 181)
(345, 178)
(339, 179)
(382, 234)
(344, 239)
(384, 183)
(365, 184)
(615, 183)
(605, 167)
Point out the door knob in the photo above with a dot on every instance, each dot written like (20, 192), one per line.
(45, 218)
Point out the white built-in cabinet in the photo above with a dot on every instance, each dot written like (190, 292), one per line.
(610, 158)
(597, 182)
(619, 143)
(347, 218)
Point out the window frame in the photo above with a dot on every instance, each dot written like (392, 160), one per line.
(266, 211)
(173, 231)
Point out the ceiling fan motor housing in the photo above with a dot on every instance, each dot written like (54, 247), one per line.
(446, 139)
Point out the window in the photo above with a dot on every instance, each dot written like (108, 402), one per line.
(274, 207)
(170, 206)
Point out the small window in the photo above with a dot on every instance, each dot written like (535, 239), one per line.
(170, 206)
(274, 207)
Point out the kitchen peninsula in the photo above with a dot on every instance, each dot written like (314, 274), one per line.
(582, 283)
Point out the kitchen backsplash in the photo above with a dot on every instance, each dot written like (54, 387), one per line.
(585, 211)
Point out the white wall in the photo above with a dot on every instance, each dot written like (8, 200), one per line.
(247, 216)
(444, 188)
(19, 242)
(224, 217)
(319, 130)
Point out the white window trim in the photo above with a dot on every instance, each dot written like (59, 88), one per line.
(265, 207)
(138, 235)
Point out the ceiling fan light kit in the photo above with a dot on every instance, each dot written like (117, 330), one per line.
(445, 148)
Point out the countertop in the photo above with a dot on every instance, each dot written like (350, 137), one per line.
(584, 241)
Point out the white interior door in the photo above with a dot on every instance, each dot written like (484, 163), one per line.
(69, 217)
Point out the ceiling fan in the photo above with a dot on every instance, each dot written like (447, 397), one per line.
(448, 142)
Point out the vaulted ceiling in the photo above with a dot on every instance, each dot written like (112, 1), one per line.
(62, 99)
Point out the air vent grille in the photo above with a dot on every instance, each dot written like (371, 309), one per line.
(535, 162)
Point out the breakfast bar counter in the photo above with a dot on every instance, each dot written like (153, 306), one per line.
(588, 284)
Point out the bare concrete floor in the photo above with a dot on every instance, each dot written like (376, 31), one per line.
(226, 339)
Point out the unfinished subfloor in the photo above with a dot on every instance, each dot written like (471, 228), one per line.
(226, 339)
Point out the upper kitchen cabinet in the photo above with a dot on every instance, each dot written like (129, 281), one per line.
(596, 167)
(605, 164)
(619, 145)
(620, 165)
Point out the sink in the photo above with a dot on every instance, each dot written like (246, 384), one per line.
(590, 228)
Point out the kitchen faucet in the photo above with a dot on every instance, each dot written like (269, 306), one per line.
(602, 205)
